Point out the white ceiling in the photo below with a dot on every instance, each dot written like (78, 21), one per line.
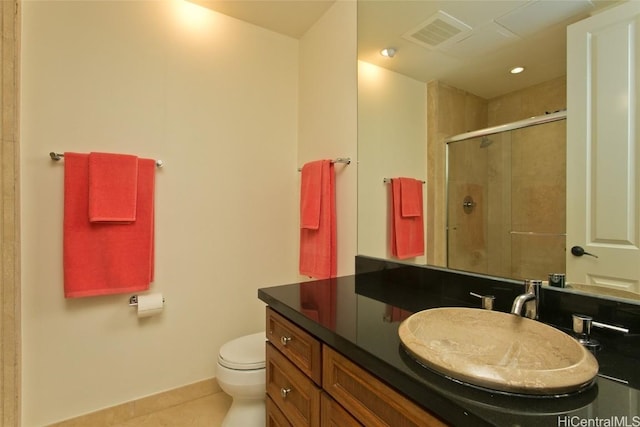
(289, 17)
(499, 35)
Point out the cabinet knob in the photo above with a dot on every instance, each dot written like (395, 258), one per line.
(284, 392)
(285, 340)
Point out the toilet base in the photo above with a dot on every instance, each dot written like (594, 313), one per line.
(246, 413)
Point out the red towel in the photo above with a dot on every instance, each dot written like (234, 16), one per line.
(407, 232)
(410, 197)
(106, 258)
(113, 187)
(318, 257)
(310, 195)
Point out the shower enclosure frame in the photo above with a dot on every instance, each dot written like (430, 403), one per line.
(532, 121)
(520, 124)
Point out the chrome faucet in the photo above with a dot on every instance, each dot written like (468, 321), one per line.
(529, 300)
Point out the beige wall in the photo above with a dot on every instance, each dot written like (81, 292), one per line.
(535, 100)
(219, 101)
(392, 135)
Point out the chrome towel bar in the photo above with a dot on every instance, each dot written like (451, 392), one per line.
(59, 156)
(345, 160)
(388, 181)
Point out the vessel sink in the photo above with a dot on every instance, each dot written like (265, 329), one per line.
(498, 351)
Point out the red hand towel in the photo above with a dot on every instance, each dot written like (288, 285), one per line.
(407, 233)
(106, 258)
(318, 257)
(113, 187)
(411, 197)
(310, 195)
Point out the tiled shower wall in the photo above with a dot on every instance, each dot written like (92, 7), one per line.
(538, 194)
(517, 227)
(9, 218)
(450, 111)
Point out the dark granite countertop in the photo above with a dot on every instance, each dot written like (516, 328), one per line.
(359, 317)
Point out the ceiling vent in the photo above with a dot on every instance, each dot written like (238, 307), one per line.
(438, 29)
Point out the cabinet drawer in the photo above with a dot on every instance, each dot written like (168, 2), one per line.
(275, 417)
(361, 393)
(300, 347)
(334, 415)
(293, 392)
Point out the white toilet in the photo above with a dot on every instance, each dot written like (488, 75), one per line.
(241, 374)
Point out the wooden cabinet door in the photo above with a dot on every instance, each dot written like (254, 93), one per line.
(368, 399)
(334, 415)
(299, 346)
(293, 392)
(275, 417)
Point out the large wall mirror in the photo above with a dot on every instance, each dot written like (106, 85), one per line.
(445, 77)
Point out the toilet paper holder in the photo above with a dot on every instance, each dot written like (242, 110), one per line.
(134, 300)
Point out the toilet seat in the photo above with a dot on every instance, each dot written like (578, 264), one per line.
(244, 353)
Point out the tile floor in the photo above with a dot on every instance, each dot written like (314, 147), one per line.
(203, 412)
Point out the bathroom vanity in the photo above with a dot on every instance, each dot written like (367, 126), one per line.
(334, 356)
(311, 384)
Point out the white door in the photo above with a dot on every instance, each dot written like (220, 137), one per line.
(603, 149)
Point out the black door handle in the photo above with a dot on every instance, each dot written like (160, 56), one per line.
(579, 251)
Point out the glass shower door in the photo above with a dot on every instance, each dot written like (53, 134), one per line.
(506, 202)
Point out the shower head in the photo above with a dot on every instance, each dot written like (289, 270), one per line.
(485, 142)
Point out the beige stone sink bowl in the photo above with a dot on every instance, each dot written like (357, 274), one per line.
(498, 351)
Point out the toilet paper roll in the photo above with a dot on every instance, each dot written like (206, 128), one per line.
(150, 304)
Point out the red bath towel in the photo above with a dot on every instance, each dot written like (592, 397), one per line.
(318, 257)
(113, 187)
(407, 232)
(106, 258)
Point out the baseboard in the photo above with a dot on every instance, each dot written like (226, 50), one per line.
(144, 406)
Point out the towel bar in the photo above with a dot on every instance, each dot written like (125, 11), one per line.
(345, 160)
(59, 156)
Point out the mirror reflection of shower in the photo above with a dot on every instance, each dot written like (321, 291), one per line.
(506, 199)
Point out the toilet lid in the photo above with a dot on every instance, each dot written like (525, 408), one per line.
(244, 353)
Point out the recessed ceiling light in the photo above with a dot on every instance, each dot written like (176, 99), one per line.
(388, 52)
(516, 70)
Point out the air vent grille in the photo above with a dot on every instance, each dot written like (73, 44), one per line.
(436, 30)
